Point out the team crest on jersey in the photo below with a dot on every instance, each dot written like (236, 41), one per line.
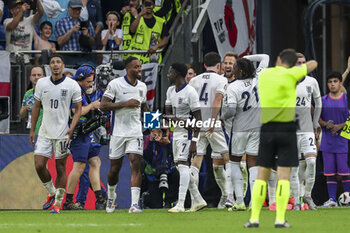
(308, 89)
(64, 92)
(180, 100)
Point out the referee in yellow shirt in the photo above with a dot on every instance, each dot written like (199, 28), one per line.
(277, 93)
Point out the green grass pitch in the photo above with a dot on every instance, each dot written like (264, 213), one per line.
(153, 221)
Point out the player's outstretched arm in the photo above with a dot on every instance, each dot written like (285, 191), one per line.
(35, 116)
(263, 60)
(346, 72)
(311, 65)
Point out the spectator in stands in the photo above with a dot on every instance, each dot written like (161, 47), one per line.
(20, 29)
(160, 172)
(36, 73)
(150, 32)
(334, 147)
(70, 31)
(43, 43)
(129, 13)
(190, 73)
(113, 36)
(1, 9)
(91, 11)
(167, 9)
(54, 15)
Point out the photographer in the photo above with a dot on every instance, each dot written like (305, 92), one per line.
(81, 145)
(161, 176)
(73, 33)
(19, 29)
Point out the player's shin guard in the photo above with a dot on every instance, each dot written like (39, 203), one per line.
(272, 183)
(238, 181)
(50, 188)
(258, 198)
(193, 185)
(310, 175)
(184, 172)
(294, 181)
(282, 196)
(59, 197)
(301, 173)
(253, 174)
(135, 196)
(220, 178)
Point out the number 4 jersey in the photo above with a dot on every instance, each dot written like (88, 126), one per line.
(207, 85)
(56, 98)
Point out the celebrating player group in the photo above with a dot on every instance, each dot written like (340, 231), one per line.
(265, 125)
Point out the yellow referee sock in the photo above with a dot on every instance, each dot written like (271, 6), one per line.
(258, 198)
(282, 196)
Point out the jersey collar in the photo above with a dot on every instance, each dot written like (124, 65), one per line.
(127, 80)
(183, 86)
(58, 81)
(210, 71)
(301, 80)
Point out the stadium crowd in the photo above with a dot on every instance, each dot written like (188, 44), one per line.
(266, 141)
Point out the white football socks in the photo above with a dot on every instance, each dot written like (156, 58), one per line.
(50, 188)
(220, 178)
(193, 185)
(135, 195)
(238, 181)
(294, 184)
(271, 185)
(184, 172)
(310, 175)
(302, 168)
(253, 174)
(59, 196)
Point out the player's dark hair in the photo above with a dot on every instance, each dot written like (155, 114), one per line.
(45, 23)
(247, 68)
(288, 57)
(231, 54)
(38, 66)
(212, 59)
(56, 55)
(129, 60)
(334, 75)
(180, 68)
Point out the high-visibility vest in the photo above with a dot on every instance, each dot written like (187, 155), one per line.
(144, 36)
(126, 30)
(159, 4)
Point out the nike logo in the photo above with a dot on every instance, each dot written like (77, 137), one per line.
(46, 91)
(125, 93)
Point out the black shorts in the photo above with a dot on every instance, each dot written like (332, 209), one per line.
(278, 139)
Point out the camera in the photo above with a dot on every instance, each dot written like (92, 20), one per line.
(84, 24)
(163, 182)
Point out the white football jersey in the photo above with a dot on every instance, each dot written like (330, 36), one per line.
(126, 122)
(243, 99)
(207, 85)
(228, 122)
(183, 102)
(56, 99)
(306, 89)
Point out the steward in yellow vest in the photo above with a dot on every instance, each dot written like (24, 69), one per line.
(167, 9)
(129, 13)
(150, 32)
